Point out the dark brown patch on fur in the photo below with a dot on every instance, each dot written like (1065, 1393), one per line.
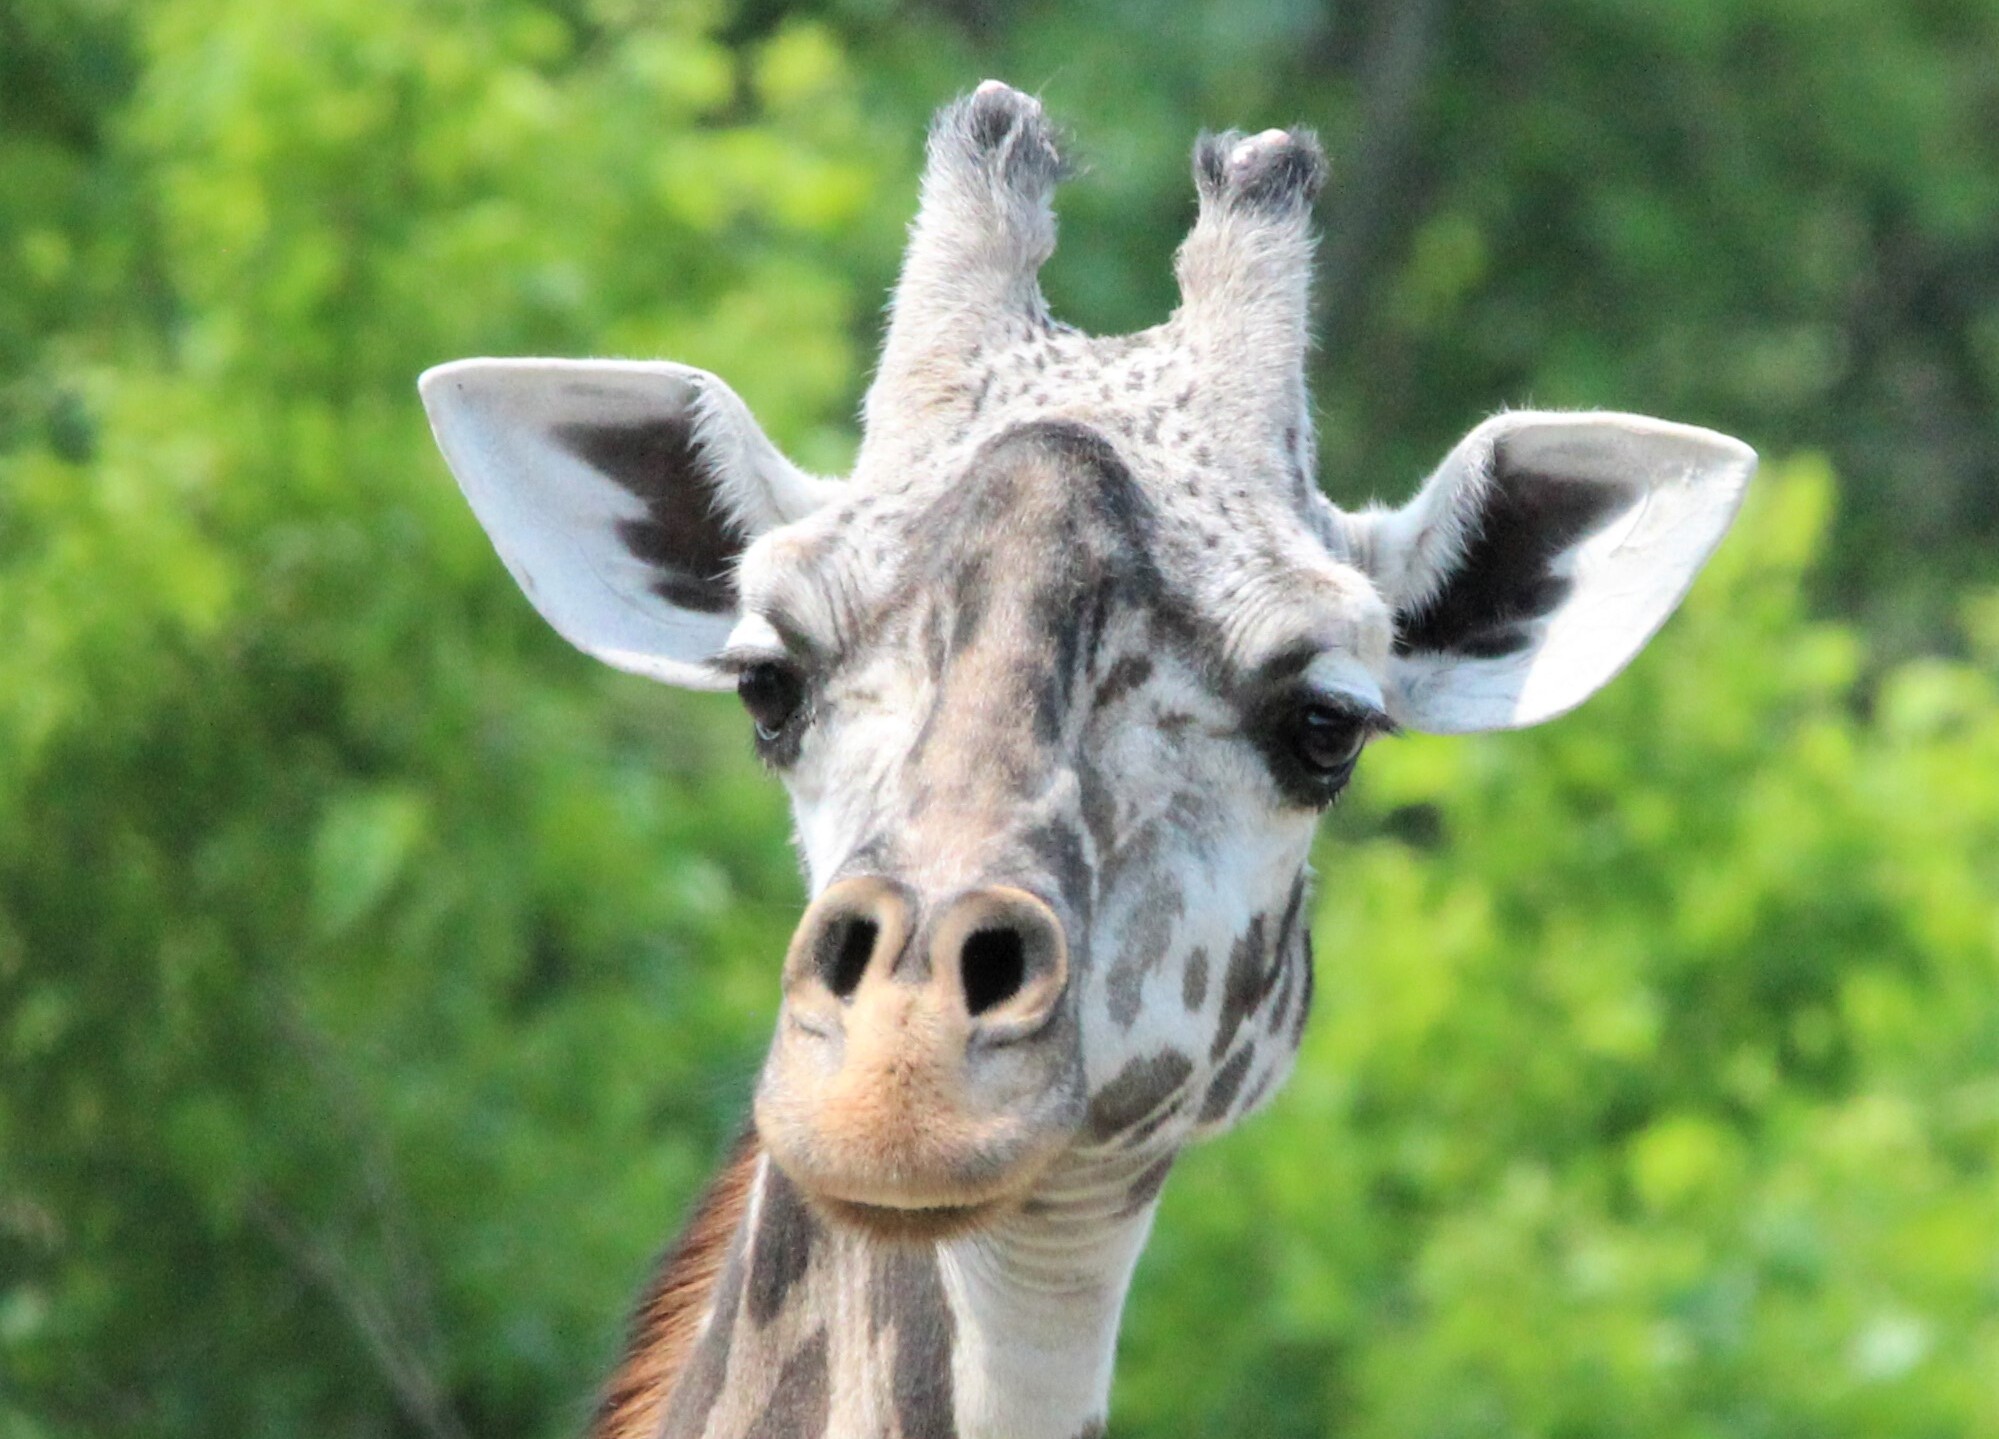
(1134, 851)
(1103, 599)
(907, 1293)
(669, 1311)
(1308, 984)
(1139, 1088)
(1256, 968)
(1227, 1085)
(782, 1248)
(1059, 850)
(1242, 985)
(1280, 1006)
(1146, 1187)
(1194, 980)
(800, 1404)
(1098, 803)
(1125, 676)
(1144, 946)
(691, 1396)
(1136, 1137)
(683, 536)
(971, 598)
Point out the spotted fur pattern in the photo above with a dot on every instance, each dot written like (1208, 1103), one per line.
(1066, 575)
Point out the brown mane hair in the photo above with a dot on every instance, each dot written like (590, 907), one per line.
(671, 1307)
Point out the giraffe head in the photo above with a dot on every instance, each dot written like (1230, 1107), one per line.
(1062, 676)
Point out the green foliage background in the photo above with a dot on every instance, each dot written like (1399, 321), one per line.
(378, 979)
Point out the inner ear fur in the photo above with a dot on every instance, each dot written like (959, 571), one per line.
(1540, 557)
(620, 495)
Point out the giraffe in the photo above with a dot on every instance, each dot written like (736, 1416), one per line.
(1059, 679)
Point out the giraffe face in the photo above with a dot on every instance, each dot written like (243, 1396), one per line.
(1060, 678)
(1032, 679)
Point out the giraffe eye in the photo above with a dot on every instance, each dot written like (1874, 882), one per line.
(1330, 739)
(774, 694)
(1312, 741)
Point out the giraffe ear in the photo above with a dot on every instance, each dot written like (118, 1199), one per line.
(1540, 557)
(620, 496)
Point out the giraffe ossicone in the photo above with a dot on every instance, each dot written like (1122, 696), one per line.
(1060, 679)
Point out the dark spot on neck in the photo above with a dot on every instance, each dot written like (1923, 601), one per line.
(1146, 1187)
(782, 1248)
(1141, 1087)
(1125, 676)
(800, 1404)
(1227, 1085)
(700, 1384)
(906, 1294)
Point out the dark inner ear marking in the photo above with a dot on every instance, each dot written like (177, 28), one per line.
(1506, 581)
(683, 535)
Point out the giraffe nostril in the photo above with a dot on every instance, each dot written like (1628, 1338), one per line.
(844, 951)
(993, 964)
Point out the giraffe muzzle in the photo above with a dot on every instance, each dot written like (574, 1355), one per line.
(925, 1060)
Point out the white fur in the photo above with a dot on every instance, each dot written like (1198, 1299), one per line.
(1626, 578)
(553, 518)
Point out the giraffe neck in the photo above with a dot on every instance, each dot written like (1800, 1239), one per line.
(814, 1329)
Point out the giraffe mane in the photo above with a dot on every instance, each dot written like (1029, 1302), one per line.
(670, 1310)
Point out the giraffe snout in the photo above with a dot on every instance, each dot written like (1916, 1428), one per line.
(989, 965)
(925, 1056)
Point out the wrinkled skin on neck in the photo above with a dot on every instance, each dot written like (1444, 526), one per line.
(819, 1328)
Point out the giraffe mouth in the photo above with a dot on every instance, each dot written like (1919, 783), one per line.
(925, 1224)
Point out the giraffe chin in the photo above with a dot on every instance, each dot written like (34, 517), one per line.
(893, 1189)
(926, 1225)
